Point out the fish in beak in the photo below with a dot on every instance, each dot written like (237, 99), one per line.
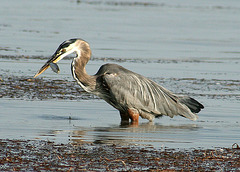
(50, 63)
(66, 48)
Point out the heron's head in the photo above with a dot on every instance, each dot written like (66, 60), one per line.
(66, 48)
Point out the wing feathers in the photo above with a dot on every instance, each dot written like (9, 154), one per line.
(132, 90)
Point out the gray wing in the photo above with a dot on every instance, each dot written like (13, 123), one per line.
(131, 90)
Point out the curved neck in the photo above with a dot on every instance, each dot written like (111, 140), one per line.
(87, 82)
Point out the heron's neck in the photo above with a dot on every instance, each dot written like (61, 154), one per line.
(87, 82)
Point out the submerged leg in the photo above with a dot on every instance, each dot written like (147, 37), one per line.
(124, 119)
(134, 116)
(130, 114)
(124, 116)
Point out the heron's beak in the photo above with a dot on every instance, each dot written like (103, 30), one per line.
(52, 63)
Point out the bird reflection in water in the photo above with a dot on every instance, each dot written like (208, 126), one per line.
(145, 133)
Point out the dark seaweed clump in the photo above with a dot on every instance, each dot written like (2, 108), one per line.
(19, 155)
(41, 89)
(23, 87)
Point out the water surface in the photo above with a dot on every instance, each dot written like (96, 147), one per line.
(123, 28)
(71, 116)
(189, 47)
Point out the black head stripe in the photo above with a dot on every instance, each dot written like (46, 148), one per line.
(67, 43)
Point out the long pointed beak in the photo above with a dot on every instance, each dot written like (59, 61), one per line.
(54, 59)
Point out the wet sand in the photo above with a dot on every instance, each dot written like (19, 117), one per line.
(27, 155)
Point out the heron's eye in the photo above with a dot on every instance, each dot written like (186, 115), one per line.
(63, 50)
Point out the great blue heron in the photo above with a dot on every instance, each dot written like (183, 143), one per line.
(132, 94)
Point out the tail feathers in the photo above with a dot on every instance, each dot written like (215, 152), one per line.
(191, 103)
(189, 115)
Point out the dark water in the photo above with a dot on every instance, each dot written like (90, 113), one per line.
(189, 47)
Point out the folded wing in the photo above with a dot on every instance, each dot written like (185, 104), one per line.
(132, 90)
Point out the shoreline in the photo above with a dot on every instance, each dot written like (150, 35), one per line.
(38, 155)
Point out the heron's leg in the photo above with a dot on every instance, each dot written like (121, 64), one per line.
(124, 116)
(134, 115)
(124, 119)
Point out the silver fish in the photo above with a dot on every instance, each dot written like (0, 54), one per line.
(54, 67)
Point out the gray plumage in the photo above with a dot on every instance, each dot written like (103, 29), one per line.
(124, 89)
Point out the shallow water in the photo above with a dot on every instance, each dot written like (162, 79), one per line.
(122, 28)
(189, 47)
(70, 116)
(94, 121)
